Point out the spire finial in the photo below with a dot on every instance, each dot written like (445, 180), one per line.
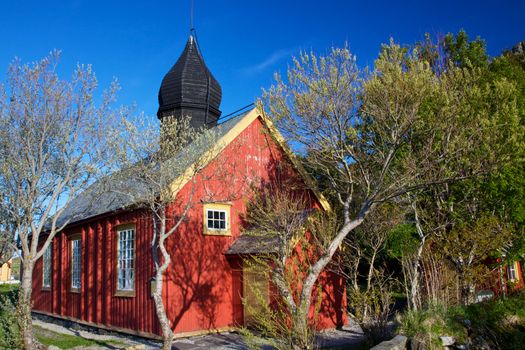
(191, 16)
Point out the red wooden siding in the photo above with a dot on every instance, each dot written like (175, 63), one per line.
(96, 303)
(203, 287)
(499, 280)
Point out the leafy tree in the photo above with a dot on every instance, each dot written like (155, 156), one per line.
(441, 52)
(402, 130)
(495, 199)
(505, 189)
(463, 52)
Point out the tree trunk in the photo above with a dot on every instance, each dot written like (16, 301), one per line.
(467, 288)
(319, 266)
(303, 336)
(371, 271)
(369, 284)
(157, 244)
(300, 316)
(24, 305)
(414, 281)
(468, 291)
(502, 283)
(160, 309)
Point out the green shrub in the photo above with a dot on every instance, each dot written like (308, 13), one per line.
(9, 333)
(426, 326)
(9, 290)
(501, 322)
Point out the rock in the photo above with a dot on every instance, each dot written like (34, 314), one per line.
(397, 343)
(52, 347)
(480, 343)
(447, 341)
(136, 347)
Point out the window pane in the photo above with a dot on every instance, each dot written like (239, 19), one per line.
(126, 257)
(76, 252)
(46, 269)
(216, 219)
(512, 272)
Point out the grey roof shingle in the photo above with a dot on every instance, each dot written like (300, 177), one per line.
(254, 243)
(248, 244)
(112, 193)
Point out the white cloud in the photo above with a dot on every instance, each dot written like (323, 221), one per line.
(269, 61)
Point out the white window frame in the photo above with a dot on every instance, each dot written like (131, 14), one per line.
(76, 264)
(219, 220)
(126, 249)
(512, 272)
(46, 266)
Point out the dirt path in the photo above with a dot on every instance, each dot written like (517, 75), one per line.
(349, 336)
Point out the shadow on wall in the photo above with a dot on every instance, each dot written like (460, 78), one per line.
(198, 281)
(333, 303)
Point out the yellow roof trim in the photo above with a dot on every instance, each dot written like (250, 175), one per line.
(231, 135)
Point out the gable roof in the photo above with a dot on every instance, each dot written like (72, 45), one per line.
(235, 131)
(109, 195)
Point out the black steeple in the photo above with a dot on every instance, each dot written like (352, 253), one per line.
(189, 89)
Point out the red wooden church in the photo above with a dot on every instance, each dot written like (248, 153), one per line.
(506, 278)
(99, 269)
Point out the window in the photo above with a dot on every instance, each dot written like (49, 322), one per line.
(76, 255)
(216, 219)
(126, 259)
(512, 272)
(46, 268)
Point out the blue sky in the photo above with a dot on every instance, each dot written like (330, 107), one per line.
(243, 42)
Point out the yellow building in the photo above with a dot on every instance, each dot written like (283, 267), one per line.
(5, 271)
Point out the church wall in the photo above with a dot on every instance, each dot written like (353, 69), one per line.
(203, 286)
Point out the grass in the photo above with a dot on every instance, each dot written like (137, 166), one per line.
(65, 341)
(9, 329)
